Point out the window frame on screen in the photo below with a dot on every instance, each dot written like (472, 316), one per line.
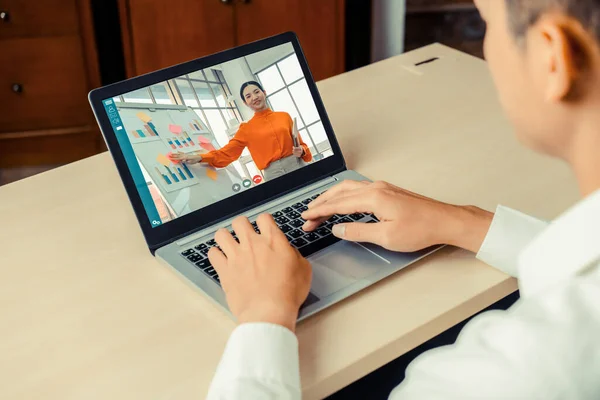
(185, 225)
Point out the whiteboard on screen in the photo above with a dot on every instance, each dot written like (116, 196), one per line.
(154, 131)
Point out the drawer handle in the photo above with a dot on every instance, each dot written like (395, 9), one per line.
(4, 16)
(17, 88)
(225, 1)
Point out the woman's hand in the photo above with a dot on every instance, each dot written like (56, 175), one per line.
(408, 221)
(186, 158)
(264, 278)
(298, 151)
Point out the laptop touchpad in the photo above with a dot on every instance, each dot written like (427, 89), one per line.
(341, 265)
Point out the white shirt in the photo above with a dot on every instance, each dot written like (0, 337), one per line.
(546, 346)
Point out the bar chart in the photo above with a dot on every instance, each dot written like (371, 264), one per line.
(171, 173)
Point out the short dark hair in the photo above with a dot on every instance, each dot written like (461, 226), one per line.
(245, 85)
(525, 13)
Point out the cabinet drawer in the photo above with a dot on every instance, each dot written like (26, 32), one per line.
(23, 18)
(43, 84)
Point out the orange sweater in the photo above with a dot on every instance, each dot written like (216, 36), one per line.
(268, 136)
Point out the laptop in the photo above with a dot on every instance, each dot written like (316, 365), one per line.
(196, 108)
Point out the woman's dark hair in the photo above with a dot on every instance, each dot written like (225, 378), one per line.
(245, 85)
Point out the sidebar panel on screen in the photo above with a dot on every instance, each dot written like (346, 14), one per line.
(134, 167)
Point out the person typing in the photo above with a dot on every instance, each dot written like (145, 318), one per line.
(544, 56)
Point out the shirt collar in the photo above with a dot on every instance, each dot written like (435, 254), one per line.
(264, 113)
(569, 246)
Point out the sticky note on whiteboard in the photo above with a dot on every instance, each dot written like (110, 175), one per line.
(211, 173)
(207, 146)
(164, 160)
(176, 129)
(143, 116)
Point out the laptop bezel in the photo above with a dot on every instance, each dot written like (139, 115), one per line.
(164, 234)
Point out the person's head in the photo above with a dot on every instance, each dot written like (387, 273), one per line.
(544, 56)
(253, 94)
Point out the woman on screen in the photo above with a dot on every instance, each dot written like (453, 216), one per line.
(268, 136)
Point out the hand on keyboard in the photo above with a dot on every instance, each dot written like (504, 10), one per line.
(264, 278)
(409, 221)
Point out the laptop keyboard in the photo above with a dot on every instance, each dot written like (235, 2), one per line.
(290, 222)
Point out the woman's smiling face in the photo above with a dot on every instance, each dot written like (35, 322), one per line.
(255, 98)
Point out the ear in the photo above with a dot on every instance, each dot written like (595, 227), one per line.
(557, 51)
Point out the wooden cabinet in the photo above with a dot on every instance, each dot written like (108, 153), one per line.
(47, 66)
(319, 25)
(160, 33)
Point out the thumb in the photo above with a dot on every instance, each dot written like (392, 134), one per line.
(360, 232)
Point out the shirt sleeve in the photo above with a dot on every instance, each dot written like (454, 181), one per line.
(544, 347)
(510, 232)
(307, 154)
(260, 362)
(229, 153)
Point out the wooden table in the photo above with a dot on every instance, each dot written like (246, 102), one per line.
(87, 312)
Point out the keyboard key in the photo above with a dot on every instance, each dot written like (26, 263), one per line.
(289, 238)
(344, 220)
(371, 221)
(211, 271)
(302, 209)
(311, 237)
(297, 223)
(232, 232)
(287, 210)
(194, 257)
(333, 219)
(285, 228)
(315, 196)
(356, 216)
(257, 230)
(306, 202)
(236, 239)
(323, 231)
(204, 264)
(201, 246)
(281, 220)
(188, 252)
(205, 251)
(216, 278)
(295, 206)
(292, 215)
(299, 242)
(277, 214)
(211, 242)
(329, 226)
(296, 234)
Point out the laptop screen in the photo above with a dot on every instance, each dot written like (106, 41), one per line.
(199, 138)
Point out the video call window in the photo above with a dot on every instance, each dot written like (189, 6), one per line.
(206, 105)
